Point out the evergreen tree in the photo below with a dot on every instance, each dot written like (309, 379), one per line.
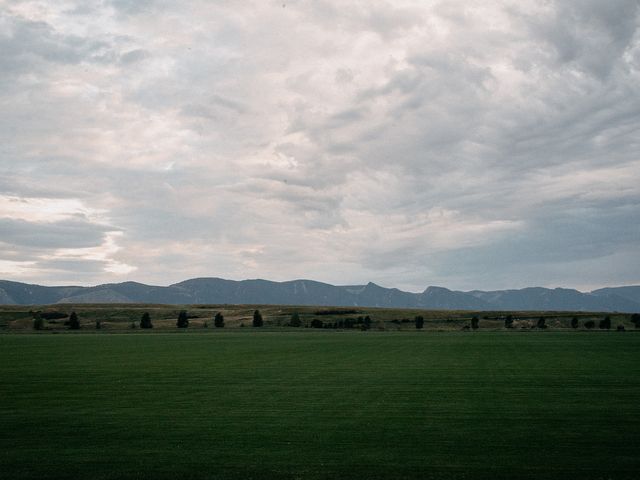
(475, 322)
(574, 322)
(218, 320)
(605, 323)
(541, 323)
(419, 321)
(74, 323)
(183, 319)
(257, 319)
(145, 321)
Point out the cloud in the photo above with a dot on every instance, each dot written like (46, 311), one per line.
(408, 143)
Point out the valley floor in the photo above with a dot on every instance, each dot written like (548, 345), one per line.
(320, 405)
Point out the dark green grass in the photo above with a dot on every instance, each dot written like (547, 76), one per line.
(321, 405)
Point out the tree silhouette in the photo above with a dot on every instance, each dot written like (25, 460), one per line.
(145, 321)
(218, 320)
(574, 322)
(542, 323)
(74, 323)
(183, 319)
(605, 323)
(419, 321)
(257, 319)
(475, 322)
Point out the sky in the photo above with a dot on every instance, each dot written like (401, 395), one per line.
(472, 145)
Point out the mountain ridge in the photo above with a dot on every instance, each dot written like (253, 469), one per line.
(214, 290)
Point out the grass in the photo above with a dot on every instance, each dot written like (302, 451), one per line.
(318, 405)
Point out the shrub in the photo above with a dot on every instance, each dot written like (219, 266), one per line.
(419, 320)
(475, 321)
(218, 320)
(589, 324)
(183, 319)
(635, 319)
(295, 320)
(74, 323)
(316, 323)
(257, 319)
(620, 328)
(145, 321)
(574, 322)
(605, 323)
(542, 323)
(98, 324)
(508, 321)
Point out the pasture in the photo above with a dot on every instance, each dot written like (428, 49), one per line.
(309, 404)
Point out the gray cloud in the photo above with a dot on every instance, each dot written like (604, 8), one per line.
(469, 145)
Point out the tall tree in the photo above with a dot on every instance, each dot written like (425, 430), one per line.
(74, 323)
(257, 319)
(38, 321)
(145, 321)
(218, 320)
(183, 319)
(419, 321)
(475, 322)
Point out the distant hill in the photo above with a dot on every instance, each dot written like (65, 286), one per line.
(308, 292)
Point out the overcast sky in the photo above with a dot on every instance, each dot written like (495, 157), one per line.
(409, 142)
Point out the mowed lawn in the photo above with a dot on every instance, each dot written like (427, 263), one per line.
(314, 404)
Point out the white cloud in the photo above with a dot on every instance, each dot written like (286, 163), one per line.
(341, 141)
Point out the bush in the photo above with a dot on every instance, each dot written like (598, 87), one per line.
(620, 328)
(542, 323)
(218, 320)
(475, 321)
(605, 323)
(295, 320)
(145, 321)
(508, 321)
(589, 324)
(635, 319)
(419, 320)
(74, 323)
(257, 319)
(574, 322)
(316, 323)
(183, 319)
(98, 324)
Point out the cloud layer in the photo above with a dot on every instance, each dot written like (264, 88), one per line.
(408, 142)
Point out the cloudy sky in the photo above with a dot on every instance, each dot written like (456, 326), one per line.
(409, 142)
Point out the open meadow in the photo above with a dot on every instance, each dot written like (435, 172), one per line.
(307, 404)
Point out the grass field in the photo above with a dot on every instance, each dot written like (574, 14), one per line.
(313, 404)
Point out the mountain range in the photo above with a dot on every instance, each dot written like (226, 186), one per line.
(309, 292)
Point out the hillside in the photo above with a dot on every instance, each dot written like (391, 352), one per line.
(308, 292)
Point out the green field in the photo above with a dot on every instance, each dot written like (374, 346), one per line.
(320, 404)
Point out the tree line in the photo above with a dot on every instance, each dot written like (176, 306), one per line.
(361, 322)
